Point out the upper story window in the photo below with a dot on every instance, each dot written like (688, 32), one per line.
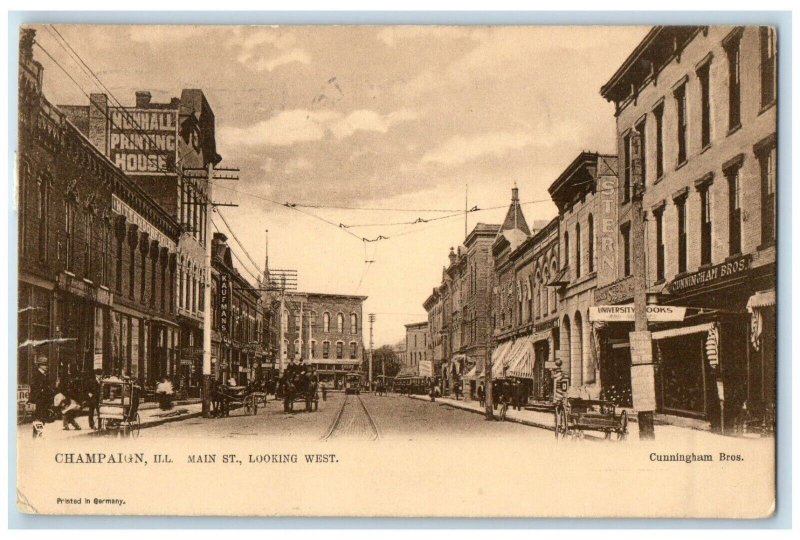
(680, 206)
(577, 250)
(69, 232)
(326, 322)
(705, 224)
(628, 164)
(641, 130)
(339, 323)
(625, 231)
(766, 162)
(566, 249)
(590, 223)
(660, 262)
(658, 114)
(734, 208)
(680, 121)
(768, 65)
(733, 52)
(705, 104)
(353, 323)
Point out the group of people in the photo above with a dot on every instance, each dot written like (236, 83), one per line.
(66, 398)
(506, 393)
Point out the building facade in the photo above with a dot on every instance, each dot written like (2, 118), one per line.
(417, 357)
(169, 149)
(239, 341)
(98, 256)
(700, 102)
(584, 195)
(320, 329)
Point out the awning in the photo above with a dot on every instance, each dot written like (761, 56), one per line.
(520, 363)
(683, 331)
(761, 299)
(501, 363)
(476, 372)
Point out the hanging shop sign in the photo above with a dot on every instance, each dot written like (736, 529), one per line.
(224, 303)
(627, 313)
(714, 274)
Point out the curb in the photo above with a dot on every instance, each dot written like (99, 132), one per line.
(152, 423)
(530, 423)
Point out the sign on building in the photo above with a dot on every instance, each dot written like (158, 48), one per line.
(144, 141)
(224, 303)
(627, 313)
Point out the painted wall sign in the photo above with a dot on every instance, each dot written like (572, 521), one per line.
(144, 141)
(713, 274)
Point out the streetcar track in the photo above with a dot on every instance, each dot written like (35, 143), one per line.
(340, 428)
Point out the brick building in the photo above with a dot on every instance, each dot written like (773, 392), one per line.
(97, 255)
(417, 353)
(701, 101)
(168, 149)
(321, 329)
(584, 194)
(464, 303)
(238, 329)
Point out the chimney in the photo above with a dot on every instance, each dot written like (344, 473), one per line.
(515, 192)
(142, 99)
(98, 119)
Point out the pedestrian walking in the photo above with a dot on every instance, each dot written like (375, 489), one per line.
(457, 389)
(164, 391)
(41, 396)
(503, 403)
(324, 392)
(481, 396)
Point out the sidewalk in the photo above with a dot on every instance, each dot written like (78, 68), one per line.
(149, 415)
(544, 420)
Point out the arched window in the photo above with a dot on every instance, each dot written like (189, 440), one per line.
(566, 249)
(353, 350)
(353, 323)
(551, 291)
(326, 349)
(340, 323)
(576, 357)
(577, 250)
(546, 292)
(285, 320)
(326, 322)
(590, 223)
(339, 350)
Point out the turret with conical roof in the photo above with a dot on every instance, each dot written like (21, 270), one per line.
(515, 219)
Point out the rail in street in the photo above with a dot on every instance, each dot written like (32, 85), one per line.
(353, 420)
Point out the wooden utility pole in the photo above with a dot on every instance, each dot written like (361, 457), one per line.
(206, 408)
(641, 341)
(371, 345)
(487, 365)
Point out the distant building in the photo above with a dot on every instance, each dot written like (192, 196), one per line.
(417, 354)
(320, 329)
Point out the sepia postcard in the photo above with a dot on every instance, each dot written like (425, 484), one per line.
(404, 271)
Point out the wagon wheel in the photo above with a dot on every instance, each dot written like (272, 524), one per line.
(622, 431)
(560, 423)
(134, 426)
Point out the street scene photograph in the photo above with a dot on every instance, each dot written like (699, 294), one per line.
(398, 252)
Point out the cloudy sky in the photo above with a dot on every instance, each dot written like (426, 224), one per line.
(374, 127)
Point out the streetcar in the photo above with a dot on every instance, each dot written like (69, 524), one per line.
(412, 385)
(353, 383)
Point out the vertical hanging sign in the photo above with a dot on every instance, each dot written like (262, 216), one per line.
(224, 302)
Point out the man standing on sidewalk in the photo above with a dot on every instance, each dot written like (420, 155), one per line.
(41, 395)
